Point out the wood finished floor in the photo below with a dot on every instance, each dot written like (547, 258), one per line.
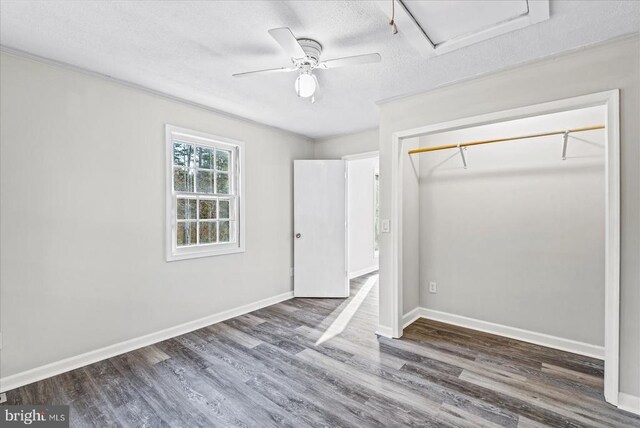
(265, 369)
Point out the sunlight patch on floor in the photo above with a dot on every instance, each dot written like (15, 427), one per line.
(342, 320)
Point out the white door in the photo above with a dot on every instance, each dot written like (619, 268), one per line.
(320, 226)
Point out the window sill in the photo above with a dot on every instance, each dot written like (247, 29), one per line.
(199, 253)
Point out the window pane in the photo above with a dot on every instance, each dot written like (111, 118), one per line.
(204, 182)
(207, 208)
(186, 208)
(182, 154)
(224, 231)
(208, 231)
(205, 158)
(222, 182)
(186, 233)
(223, 207)
(182, 180)
(222, 160)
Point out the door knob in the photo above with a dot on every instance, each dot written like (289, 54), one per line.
(298, 236)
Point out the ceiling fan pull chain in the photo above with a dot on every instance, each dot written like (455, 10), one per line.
(393, 17)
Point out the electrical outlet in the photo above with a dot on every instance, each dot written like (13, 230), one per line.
(386, 225)
(433, 287)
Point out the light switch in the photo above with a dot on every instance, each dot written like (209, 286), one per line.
(386, 226)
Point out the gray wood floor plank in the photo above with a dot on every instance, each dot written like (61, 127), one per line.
(269, 368)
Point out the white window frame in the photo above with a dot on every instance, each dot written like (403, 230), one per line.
(236, 174)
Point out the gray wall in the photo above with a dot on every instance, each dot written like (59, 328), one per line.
(350, 144)
(83, 215)
(601, 68)
(410, 227)
(517, 238)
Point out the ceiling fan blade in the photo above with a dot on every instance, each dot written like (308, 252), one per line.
(269, 70)
(288, 41)
(350, 60)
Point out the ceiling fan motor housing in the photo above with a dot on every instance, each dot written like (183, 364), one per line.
(312, 49)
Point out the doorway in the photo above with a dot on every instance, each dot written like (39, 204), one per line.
(404, 140)
(363, 208)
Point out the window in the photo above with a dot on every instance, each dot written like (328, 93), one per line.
(204, 198)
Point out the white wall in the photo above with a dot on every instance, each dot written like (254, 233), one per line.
(518, 238)
(350, 144)
(601, 68)
(83, 215)
(361, 207)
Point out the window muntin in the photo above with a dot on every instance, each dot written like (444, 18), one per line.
(204, 220)
(201, 169)
(204, 192)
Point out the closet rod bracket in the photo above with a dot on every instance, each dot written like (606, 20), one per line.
(464, 159)
(565, 140)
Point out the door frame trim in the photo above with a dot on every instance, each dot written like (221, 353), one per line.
(359, 156)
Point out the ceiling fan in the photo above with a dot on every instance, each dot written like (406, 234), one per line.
(305, 56)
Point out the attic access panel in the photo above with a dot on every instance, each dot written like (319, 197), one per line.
(440, 26)
(448, 20)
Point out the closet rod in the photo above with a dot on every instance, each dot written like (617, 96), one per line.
(500, 140)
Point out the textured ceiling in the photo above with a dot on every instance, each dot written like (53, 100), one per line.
(190, 49)
(446, 20)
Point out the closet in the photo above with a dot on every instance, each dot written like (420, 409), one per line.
(511, 220)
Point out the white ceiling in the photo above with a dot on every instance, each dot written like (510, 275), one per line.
(189, 49)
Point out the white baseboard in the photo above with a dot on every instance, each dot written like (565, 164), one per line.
(629, 402)
(364, 271)
(384, 331)
(411, 317)
(24, 378)
(555, 342)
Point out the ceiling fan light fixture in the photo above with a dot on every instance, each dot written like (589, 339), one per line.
(305, 85)
(305, 57)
